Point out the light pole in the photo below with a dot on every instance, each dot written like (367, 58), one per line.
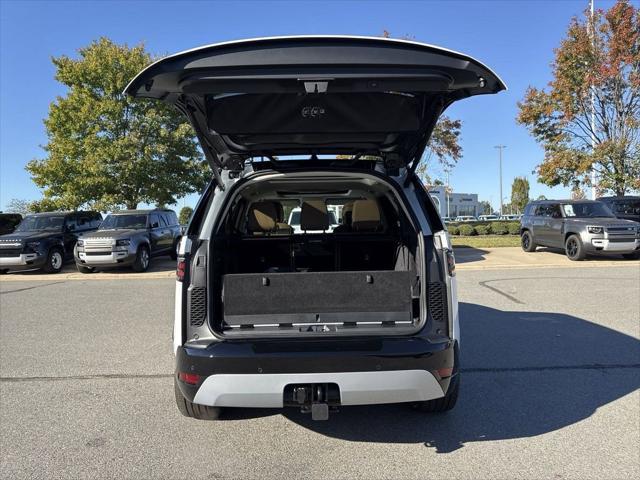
(500, 147)
(593, 110)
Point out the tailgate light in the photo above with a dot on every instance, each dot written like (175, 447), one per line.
(444, 372)
(180, 269)
(190, 378)
(451, 262)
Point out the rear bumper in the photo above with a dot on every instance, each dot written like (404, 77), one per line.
(255, 374)
(26, 261)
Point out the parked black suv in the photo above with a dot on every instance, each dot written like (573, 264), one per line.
(45, 240)
(129, 238)
(9, 222)
(626, 207)
(315, 317)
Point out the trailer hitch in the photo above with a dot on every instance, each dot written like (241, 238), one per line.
(316, 398)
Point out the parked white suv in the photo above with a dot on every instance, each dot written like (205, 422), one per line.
(366, 313)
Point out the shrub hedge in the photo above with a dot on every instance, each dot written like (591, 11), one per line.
(487, 228)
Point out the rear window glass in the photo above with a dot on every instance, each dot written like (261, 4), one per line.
(124, 221)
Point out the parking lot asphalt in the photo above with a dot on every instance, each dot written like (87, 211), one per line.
(551, 371)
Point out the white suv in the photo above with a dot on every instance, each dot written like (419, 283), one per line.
(315, 317)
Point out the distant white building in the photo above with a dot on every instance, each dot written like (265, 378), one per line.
(460, 204)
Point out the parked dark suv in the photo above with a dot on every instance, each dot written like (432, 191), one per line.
(580, 227)
(316, 317)
(129, 238)
(627, 207)
(9, 222)
(45, 240)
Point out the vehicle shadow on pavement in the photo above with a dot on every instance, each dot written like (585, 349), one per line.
(469, 254)
(523, 374)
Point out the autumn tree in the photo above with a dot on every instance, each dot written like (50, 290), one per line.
(519, 193)
(106, 150)
(577, 193)
(596, 69)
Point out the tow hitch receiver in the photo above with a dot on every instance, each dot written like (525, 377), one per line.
(317, 398)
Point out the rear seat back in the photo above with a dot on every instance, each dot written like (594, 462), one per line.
(314, 216)
(366, 216)
(264, 218)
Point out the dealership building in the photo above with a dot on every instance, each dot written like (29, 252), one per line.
(460, 204)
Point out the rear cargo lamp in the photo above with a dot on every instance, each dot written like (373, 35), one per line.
(180, 270)
(451, 262)
(190, 378)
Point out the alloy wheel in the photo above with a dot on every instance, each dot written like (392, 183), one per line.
(56, 260)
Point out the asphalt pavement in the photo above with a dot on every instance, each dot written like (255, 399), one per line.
(551, 371)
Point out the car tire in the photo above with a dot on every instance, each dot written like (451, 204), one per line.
(194, 410)
(443, 404)
(143, 259)
(574, 249)
(526, 242)
(55, 260)
(83, 269)
(174, 250)
(4, 271)
(631, 256)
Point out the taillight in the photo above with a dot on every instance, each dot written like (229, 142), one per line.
(190, 378)
(451, 262)
(181, 268)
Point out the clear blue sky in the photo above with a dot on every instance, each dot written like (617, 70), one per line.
(515, 38)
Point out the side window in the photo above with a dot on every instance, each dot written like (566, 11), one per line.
(96, 221)
(169, 217)
(71, 223)
(163, 220)
(541, 211)
(154, 220)
(554, 211)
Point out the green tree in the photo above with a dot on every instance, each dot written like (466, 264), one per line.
(106, 150)
(596, 69)
(519, 194)
(185, 215)
(485, 208)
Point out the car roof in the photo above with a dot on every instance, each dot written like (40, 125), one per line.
(141, 211)
(622, 197)
(569, 201)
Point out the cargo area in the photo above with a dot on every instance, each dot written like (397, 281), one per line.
(315, 261)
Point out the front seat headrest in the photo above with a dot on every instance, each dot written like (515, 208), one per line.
(262, 217)
(365, 216)
(314, 215)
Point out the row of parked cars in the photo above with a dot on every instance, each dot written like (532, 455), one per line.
(482, 218)
(610, 225)
(45, 241)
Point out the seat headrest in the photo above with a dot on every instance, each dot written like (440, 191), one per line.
(262, 217)
(314, 215)
(365, 216)
(347, 213)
